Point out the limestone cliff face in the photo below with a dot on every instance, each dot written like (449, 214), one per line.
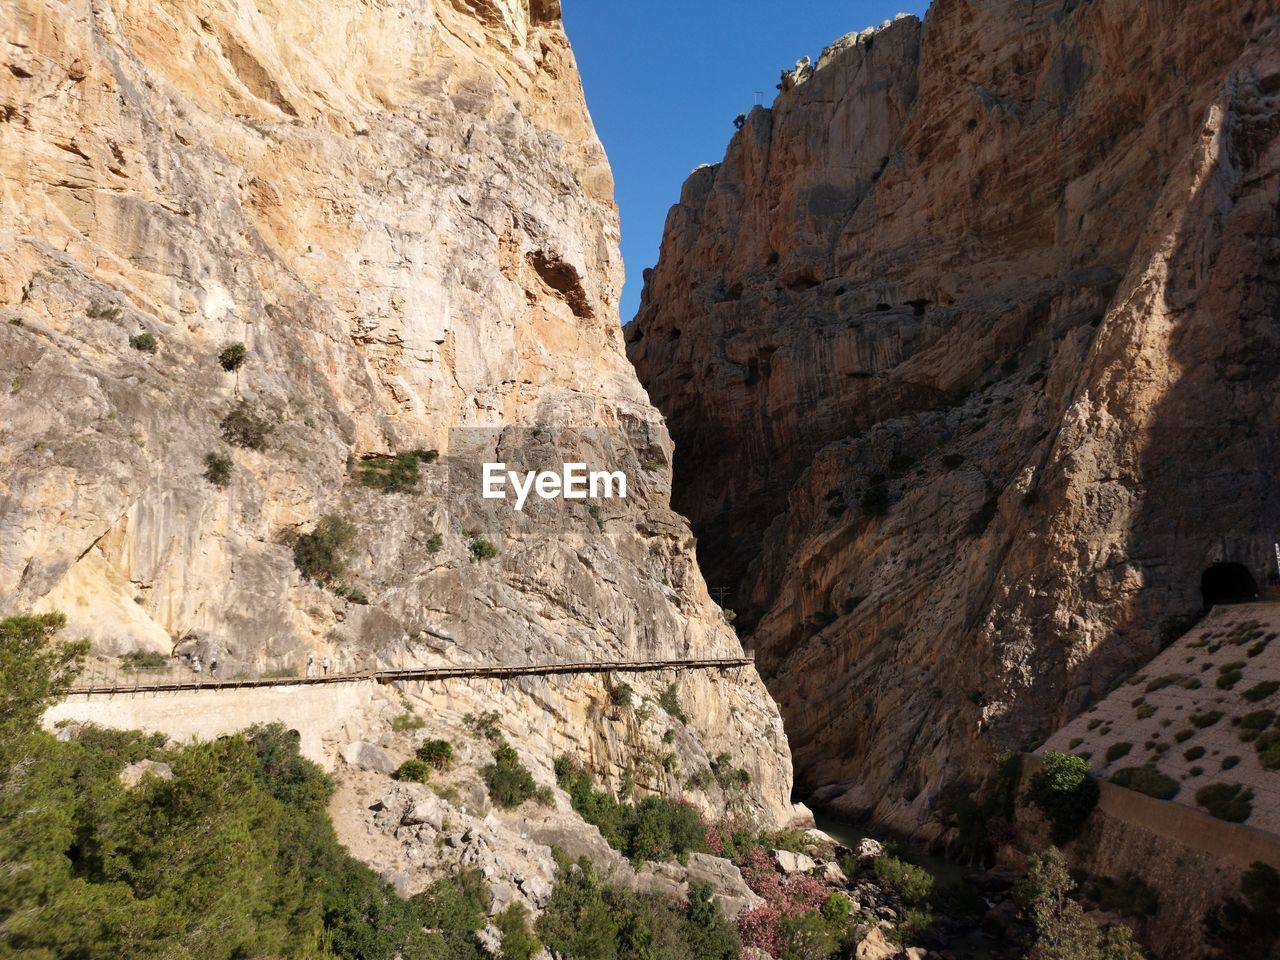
(970, 352)
(402, 210)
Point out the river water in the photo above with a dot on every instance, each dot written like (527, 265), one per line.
(946, 872)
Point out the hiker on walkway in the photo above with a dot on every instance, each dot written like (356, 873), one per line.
(311, 666)
(324, 665)
(213, 666)
(195, 664)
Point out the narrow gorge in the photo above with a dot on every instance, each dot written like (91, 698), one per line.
(969, 351)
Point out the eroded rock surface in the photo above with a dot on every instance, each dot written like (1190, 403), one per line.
(404, 214)
(970, 353)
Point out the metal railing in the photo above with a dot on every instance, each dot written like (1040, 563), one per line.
(112, 678)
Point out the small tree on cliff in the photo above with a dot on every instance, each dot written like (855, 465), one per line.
(1063, 932)
(1064, 793)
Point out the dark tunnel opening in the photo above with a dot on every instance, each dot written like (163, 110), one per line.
(1227, 583)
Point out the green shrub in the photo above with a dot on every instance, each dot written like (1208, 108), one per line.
(1062, 931)
(139, 661)
(587, 920)
(1065, 793)
(485, 725)
(1147, 780)
(544, 796)
(621, 695)
(407, 721)
(1206, 719)
(1194, 753)
(481, 547)
(1145, 711)
(914, 884)
(1231, 802)
(1260, 691)
(1182, 736)
(434, 543)
(913, 926)
(413, 771)
(232, 357)
(1229, 679)
(392, 474)
(217, 469)
(518, 941)
(510, 783)
(1229, 762)
(1256, 720)
(145, 342)
(321, 555)
(669, 701)
(438, 754)
(243, 427)
(657, 828)
(1118, 750)
(1268, 747)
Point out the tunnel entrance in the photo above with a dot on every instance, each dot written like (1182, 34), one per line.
(1227, 583)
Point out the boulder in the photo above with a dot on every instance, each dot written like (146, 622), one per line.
(501, 895)
(874, 946)
(789, 862)
(366, 756)
(537, 890)
(821, 837)
(869, 849)
(802, 817)
(832, 873)
(134, 772)
(726, 880)
(428, 810)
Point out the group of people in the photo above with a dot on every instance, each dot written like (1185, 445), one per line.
(197, 666)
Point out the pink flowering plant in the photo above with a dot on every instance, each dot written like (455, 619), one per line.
(792, 911)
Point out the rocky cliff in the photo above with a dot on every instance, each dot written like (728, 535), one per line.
(402, 212)
(970, 351)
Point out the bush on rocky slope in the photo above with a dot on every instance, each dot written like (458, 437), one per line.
(589, 920)
(656, 828)
(1065, 793)
(510, 783)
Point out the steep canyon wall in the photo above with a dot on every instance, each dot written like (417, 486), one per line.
(969, 348)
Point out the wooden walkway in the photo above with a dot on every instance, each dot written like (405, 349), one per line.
(140, 684)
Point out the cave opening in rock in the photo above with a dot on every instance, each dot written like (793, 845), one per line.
(1227, 583)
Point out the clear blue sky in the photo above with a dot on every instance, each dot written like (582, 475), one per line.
(665, 78)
